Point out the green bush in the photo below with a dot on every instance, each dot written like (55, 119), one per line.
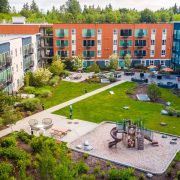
(171, 110)
(94, 79)
(97, 169)
(169, 172)
(31, 104)
(94, 68)
(85, 155)
(5, 170)
(54, 81)
(29, 89)
(142, 176)
(46, 93)
(112, 79)
(25, 137)
(153, 92)
(103, 174)
(178, 174)
(88, 177)
(82, 167)
(8, 142)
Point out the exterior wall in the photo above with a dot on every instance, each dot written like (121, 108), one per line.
(107, 37)
(176, 46)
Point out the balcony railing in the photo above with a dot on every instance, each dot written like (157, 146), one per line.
(140, 45)
(140, 34)
(8, 60)
(31, 63)
(9, 80)
(31, 50)
(125, 45)
(139, 56)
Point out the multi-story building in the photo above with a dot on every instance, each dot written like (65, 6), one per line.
(176, 46)
(18, 54)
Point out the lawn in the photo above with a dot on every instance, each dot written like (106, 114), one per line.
(65, 91)
(106, 107)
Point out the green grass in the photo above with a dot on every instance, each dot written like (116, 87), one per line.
(106, 107)
(66, 91)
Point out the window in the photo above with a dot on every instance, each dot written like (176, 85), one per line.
(73, 31)
(141, 32)
(140, 43)
(73, 53)
(62, 43)
(88, 54)
(142, 62)
(126, 32)
(152, 42)
(123, 53)
(73, 42)
(88, 32)
(151, 62)
(125, 43)
(88, 43)
(63, 54)
(163, 52)
(162, 63)
(114, 42)
(115, 31)
(99, 42)
(152, 53)
(99, 31)
(62, 33)
(163, 42)
(153, 31)
(99, 53)
(114, 51)
(139, 53)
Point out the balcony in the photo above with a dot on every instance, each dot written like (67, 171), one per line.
(140, 45)
(31, 63)
(25, 54)
(140, 34)
(8, 61)
(125, 45)
(177, 36)
(31, 50)
(9, 80)
(139, 56)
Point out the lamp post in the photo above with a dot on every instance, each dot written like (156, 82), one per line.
(70, 111)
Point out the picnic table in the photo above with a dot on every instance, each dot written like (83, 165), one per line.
(60, 132)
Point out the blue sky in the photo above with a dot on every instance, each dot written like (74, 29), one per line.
(138, 4)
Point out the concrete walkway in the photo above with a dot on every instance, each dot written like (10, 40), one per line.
(59, 121)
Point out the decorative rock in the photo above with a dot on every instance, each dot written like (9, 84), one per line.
(174, 139)
(164, 136)
(88, 148)
(164, 112)
(163, 124)
(168, 103)
(126, 107)
(111, 92)
(173, 142)
(79, 146)
(86, 143)
(149, 175)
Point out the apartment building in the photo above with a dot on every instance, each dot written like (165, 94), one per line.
(176, 46)
(18, 54)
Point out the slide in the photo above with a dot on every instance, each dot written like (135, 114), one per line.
(113, 133)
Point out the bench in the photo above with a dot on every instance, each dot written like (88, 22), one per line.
(59, 132)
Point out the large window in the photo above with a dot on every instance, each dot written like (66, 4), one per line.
(88, 32)
(88, 43)
(125, 43)
(139, 53)
(123, 53)
(88, 54)
(140, 43)
(140, 32)
(63, 54)
(3, 58)
(126, 32)
(62, 43)
(62, 33)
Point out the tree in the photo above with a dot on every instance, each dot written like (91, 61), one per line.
(4, 6)
(42, 76)
(113, 61)
(148, 16)
(153, 92)
(94, 68)
(34, 7)
(57, 66)
(175, 9)
(78, 62)
(127, 61)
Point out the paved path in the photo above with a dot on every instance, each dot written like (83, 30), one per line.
(59, 121)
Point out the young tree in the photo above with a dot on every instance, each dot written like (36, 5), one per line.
(78, 62)
(57, 66)
(113, 61)
(153, 92)
(73, 7)
(148, 16)
(34, 7)
(4, 6)
(127, 61)
(94, 68)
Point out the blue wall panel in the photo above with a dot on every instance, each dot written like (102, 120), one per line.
(26, 41)
(4, 47)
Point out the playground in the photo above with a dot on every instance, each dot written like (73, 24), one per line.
(129, 144)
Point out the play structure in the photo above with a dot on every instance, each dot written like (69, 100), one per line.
(132, 134)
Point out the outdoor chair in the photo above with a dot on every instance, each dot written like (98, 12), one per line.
(47, 121)
(33, 122)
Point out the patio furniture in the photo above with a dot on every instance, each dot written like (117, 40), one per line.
(59, 132)
(142, 80)
(47, 123)
(129, 73)
(169, 85)
(33, 123)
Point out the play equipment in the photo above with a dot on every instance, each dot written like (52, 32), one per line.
(132, 134)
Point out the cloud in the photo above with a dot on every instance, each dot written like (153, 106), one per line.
(137, 4)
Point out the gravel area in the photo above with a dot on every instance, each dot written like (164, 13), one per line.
(152, 159)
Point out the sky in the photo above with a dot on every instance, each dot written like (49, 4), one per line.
(137, 4)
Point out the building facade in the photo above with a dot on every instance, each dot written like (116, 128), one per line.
(176, 47)
(18, 54)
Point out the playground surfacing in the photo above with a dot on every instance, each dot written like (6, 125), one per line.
(152, 159)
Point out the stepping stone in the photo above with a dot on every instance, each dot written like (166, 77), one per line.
(86, 143)
(88, 148)
(164, 136)
(79, 146)
(69, 122)
(163, 124)
(76, 122)
(149, 175)
(173, 142)
(174, 139)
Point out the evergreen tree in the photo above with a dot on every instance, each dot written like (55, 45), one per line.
(34, 7)
(73, 7)
(4, 6)
(175, 9)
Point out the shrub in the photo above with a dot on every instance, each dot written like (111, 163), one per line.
(29, 89)
(42, 76)
(97, 169)
(103, 174)
(46, 93)
(178, 174)
(25, 137)
(171, 110)
(82, 167)
(142, 176)
(54, 81)
(94, 79)
(32, 104)
(153, 92)
(173, 164)
(5, 170)
(94, 68)
(66, 73)
(169, 172)
(108, 163)
(88, 177)
(112, 79)
(85, 155)
(8, 142)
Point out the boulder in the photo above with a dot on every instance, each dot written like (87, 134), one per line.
(149, 175)
(86, 143)
(164, 112)
(163, 124)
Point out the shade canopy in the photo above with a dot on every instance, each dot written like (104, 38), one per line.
(167, 70)
(151, 67)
